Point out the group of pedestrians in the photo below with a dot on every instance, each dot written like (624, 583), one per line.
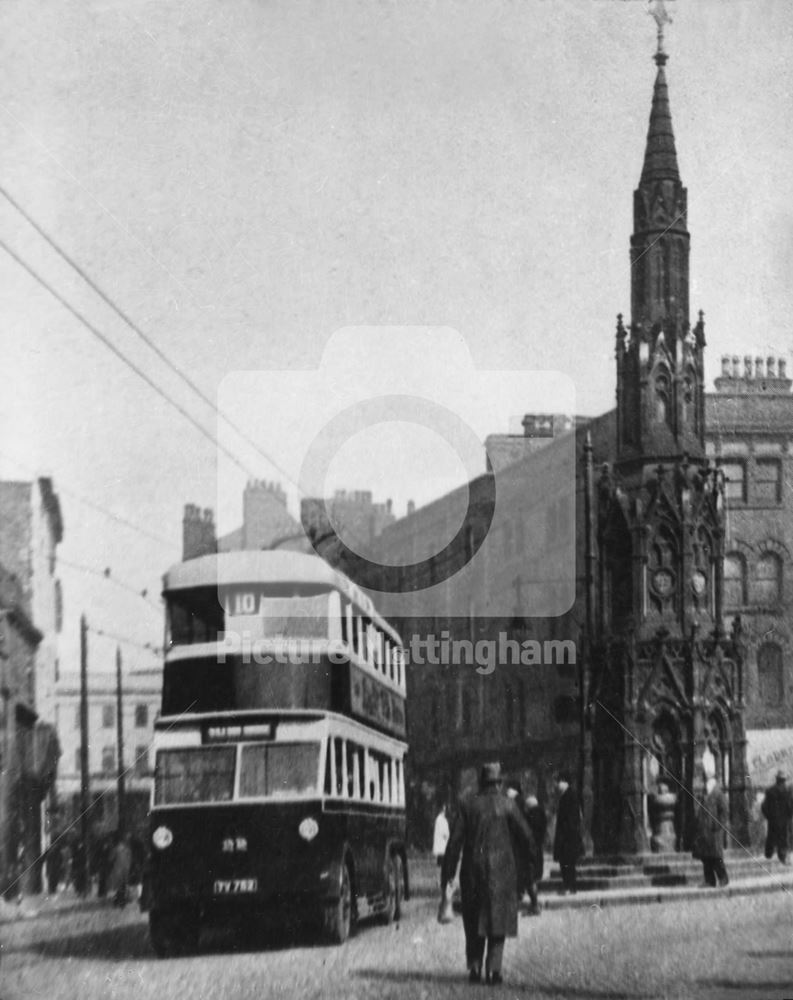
(114, 864)
(712, 824)
(498, 840)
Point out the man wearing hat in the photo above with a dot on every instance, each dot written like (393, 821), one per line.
(568, 841)
(778, 810)
(486, 826)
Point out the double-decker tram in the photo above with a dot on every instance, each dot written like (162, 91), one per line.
(279, 755)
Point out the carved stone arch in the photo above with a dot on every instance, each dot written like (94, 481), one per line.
(776, 546)
(663, 688)
(717, 732)
(666, 735)
(745, 548)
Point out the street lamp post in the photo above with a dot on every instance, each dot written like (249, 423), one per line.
(120, 786)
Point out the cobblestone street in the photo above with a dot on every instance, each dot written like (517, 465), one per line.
(736, 948)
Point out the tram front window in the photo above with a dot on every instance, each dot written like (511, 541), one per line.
(205, 775)
(276, 770)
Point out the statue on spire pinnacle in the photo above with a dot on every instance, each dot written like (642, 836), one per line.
(657, 10)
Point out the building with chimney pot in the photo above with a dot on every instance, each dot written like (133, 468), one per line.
(198, 532)
(352, 514)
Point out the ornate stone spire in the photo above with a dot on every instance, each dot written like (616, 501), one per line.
(660, 156)
(660, 374)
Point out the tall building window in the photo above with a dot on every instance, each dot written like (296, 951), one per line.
(734, 480)
(108, 760)
(141, 760)
(141, 716)
(768, 586)
(768, 481)
(108, 717)
(734, 580)
(769, 673)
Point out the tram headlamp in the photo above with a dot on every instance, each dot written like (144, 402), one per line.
(162, 837)
(308, 828)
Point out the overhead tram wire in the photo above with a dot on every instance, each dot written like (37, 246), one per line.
(151, 344)
(149, 647)
(112, 515)
(122, 357)
(107, 574)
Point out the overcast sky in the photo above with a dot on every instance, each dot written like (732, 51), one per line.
(247, 177)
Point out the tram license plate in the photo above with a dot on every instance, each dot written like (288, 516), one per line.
(235, 886)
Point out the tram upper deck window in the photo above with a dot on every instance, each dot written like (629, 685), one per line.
(279, 769)
(194, 616)
(194, 775)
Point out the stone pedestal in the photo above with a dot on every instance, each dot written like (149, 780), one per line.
(662, 819)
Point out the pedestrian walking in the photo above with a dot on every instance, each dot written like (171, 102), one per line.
(777, 808)
(120, 864)
(55, 866)
(483, 832)
(568, 841)
(440, 835)
(523, 859)
(538, 825)
(712, 819)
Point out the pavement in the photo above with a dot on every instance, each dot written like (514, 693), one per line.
(761, 877)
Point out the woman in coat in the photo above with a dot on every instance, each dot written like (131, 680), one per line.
(483, 831)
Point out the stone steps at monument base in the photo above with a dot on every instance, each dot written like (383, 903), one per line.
(748, 875)
(676, 870)
(683, 868)
(780, 879)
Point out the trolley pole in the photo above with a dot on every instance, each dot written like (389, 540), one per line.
(120, 786)
(83, 856)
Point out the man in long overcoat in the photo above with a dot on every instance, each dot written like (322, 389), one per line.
(568, 841)
(538, 824)
(484, 830)
(712, 820)
(778, 810)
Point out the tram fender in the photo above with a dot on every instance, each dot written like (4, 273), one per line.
(335, 870)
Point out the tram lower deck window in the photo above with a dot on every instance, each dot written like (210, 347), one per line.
(205, 775)
(275, 770)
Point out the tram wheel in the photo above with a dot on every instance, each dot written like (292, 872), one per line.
(173, 932)
(395, 882)
(339, 916)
